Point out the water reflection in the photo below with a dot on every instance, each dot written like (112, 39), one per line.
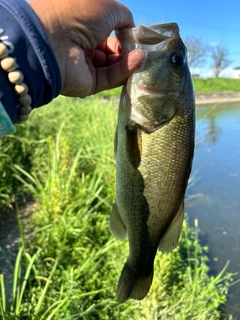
(213, 131)
(213, 195)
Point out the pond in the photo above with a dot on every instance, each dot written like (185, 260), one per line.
(213, 196)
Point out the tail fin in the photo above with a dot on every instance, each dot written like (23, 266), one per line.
(131, 285)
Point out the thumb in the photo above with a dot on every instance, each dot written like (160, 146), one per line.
(116, 74)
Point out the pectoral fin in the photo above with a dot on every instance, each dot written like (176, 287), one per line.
(133, 145)
(117, 226)
(170, 239)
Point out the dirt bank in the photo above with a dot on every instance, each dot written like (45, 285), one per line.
(10, 240)
(217, 98)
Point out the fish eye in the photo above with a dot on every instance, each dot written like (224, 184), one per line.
(177, 59)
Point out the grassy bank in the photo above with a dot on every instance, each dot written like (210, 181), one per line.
(213, 85)
(68, 266)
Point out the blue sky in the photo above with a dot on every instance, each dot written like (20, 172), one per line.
(215, 22)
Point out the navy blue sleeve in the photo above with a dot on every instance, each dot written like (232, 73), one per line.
(20, 27)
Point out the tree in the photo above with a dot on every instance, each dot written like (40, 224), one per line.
(197, 51)
(220, 59)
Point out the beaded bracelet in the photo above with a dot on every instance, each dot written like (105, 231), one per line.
(15, 76)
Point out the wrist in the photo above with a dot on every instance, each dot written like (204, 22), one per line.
(52, 26)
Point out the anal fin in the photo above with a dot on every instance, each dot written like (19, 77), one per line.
(117, 226)
(170, 239)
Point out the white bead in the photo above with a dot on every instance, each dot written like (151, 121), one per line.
(21, 89)
(15, 77)
(3, 51)
(9, 64)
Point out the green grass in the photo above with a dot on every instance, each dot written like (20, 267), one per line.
(68, 267)
(214, 85)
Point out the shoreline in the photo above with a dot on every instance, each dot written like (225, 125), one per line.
(218, 98)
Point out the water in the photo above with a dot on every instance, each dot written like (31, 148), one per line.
(214, 197)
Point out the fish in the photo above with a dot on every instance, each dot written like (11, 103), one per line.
(154, 148)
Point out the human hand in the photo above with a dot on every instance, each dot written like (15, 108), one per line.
(89, 59)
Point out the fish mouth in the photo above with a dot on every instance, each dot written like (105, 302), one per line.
(143, 36)
(163, 108)
(150, 91)
(142, 90)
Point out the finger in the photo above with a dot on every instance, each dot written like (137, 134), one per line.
(116, 74)
(108, 53)
(111, 45)
(124, 17)
(101, 59)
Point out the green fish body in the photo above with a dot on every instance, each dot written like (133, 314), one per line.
(154, 145)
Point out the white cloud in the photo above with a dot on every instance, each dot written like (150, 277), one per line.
(195, 70)
(226, 73)
(207, 74)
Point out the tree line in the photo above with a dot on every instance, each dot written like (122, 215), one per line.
(198, 52)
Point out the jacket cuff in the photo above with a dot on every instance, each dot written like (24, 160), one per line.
(23, 34)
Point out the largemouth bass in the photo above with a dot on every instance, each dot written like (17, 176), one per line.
(154, 145)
